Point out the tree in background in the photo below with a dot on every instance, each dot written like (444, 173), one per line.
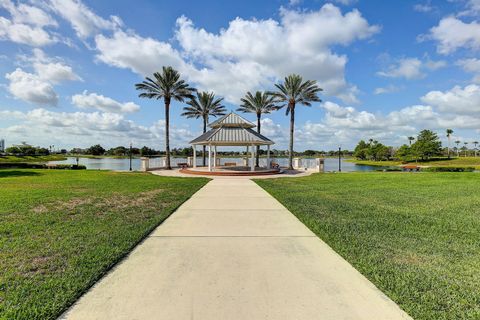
(167, 86)
(204, 105)
(457, 142)
(475, 143)
(404, 152)
(373, 150)
(260, 103)
(465, 147)
(291, 92)
(360, 151)
(449, 135)
(428, 144)
(95, 150)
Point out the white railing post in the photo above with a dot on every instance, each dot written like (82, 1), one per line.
(297, 163)
(320, 164)
(194, 156)
(145, 163)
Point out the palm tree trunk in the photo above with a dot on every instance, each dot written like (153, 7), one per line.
(204, 147)
(292, 128)
(448, 149)
(257, 161)
(167, 134)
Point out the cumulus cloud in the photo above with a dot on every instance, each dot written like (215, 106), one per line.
(37, 87)
(471, 65)
(457, 100)
(387, 89)
(410, 68)
(83, 20)
(26, 24)
(79, 129)
(452, 34)
(248, 54)
(31, 88)
(95, 101)
(24, 34)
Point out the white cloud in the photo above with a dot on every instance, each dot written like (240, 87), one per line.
(423, 7)
(456, 100)
(92, 100)
(83, 20)
(31, 88)
(471, 65)
(80, 129)
(387, 89)
(24, 34)
(27, 14)
(408, 68)
(472, 8)
(346, 2)
(141, 55)
(248, 54)
(452, 34)
(38, 87)
(411, 68)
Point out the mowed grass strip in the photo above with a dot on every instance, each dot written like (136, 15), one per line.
(60, 231)
(416, 236)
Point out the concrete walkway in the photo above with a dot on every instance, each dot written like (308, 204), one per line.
(233, 252)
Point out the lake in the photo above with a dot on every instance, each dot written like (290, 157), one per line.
(331, 164)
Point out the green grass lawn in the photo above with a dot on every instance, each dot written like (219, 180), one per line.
(61, 231)
(52, 157)
(445, 162)
(415, 236)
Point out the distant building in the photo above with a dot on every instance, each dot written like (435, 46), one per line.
(2, 145)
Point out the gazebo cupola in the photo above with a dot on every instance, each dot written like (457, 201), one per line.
(231, 130)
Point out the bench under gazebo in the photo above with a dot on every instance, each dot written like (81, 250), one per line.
(231, 130)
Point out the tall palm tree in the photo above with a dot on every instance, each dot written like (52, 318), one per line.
(457, 142)
(410, 139)
(260, 103)
(167, 86)
(449, 134)
(204, 105)
(466, 148)
(290, 93)
(475, 143)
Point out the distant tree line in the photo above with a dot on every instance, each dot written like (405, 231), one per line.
(426, 146)
(27, 150)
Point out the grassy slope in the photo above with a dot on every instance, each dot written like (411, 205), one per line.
(62, 230)
(53, 157)
(416, 236)
(454, 162)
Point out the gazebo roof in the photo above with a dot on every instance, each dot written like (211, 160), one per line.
(231, 120)
(231, 130)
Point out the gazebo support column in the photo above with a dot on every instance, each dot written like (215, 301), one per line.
(252, 164)
(215, 156)
(209, 157)
(268, 156)
(194, 155)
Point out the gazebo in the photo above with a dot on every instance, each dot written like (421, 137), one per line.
(231, 130)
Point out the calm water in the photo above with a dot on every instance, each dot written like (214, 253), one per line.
(123, 164)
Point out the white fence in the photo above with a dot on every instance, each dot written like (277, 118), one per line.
(298, 163)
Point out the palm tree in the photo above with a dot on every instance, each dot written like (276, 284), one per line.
(410, 139)
(457, 142)
(449, 134)
(167, 86)
(204, 105)
(294, 90)
(475, 144)
(466, 148)
(261, 103)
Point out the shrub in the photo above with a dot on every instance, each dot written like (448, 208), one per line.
(448, 169)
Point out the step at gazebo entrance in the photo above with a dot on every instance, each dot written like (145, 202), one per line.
(231, 130)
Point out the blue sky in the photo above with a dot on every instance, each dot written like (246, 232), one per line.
(388, 68)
